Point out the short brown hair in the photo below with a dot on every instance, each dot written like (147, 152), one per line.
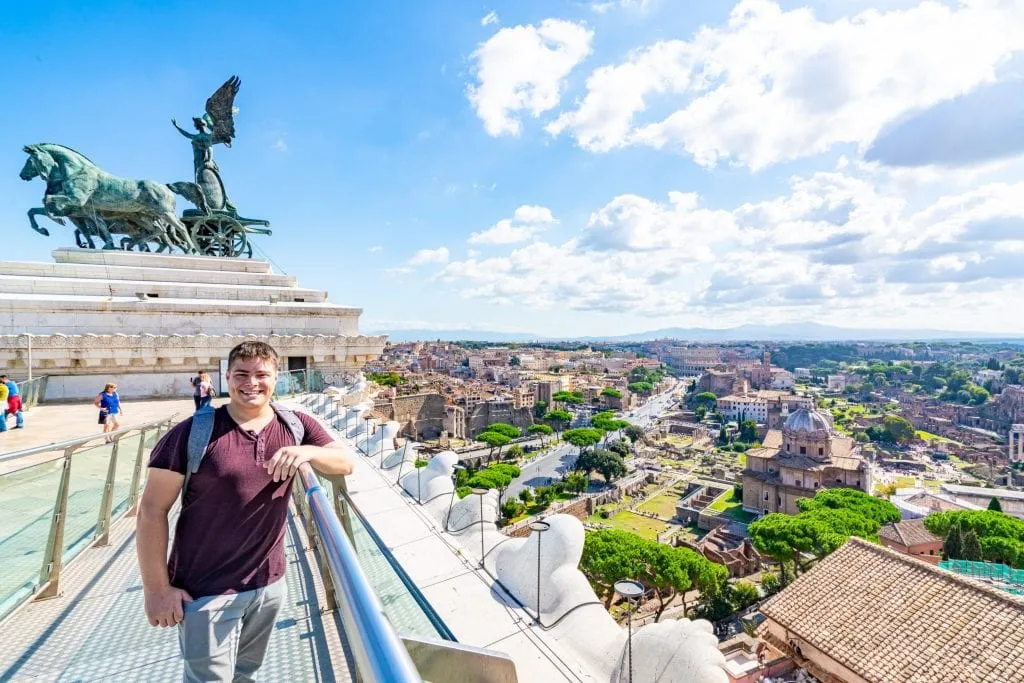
(251, 350)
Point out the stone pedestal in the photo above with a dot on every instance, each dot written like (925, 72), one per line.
(149, 321)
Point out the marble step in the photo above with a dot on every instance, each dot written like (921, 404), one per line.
(22, 284)
(143, 273)
(118, 257)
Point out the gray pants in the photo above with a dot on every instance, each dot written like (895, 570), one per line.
(225, 637)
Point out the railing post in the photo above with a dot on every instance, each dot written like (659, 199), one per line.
(133, 492)
(107, 502)
(340, 490)
(49, 574)
(316, 542)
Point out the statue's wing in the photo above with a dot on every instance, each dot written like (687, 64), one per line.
(220, 108)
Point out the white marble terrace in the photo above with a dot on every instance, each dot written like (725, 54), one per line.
(437, 539)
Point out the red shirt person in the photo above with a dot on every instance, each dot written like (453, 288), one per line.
(222, 585)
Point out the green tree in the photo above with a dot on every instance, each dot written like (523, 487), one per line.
(498, 476)
(642, 388)
(526, 495)
(514, 452)
(706, 399)
(386, 379)
(508, 430)
(877, 509)
(634, 433)
(971, 547)
(900, 429)
(723, 436)
(582, 438)
(952, 546)
(744, 594)
(621, 447)
(994, 504)
(543, 430)
(492, 439)
(611, 392)
(560, 418)
(514, 361)
(770, 583)
(748, 431)
(539, 408)
(577, 482)
(993, 364)
(570, 397)
(511, 509)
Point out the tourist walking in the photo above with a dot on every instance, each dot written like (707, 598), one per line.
(232, 466)
(3, 401)
(109, 404)
(206, 391)
(13, 405)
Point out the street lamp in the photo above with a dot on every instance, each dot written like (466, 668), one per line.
(539, 526)
(481, 492)
(630, 590)
(366, 441)
(455, 479)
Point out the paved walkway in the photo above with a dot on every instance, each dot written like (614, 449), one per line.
(49, 423)
(96, 631)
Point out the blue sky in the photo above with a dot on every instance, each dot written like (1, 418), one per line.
(644, 163)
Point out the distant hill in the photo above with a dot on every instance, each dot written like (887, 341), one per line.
(794, 332)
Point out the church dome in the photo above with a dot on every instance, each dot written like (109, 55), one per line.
(809, 421)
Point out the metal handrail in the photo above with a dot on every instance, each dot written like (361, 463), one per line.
(74, 443)
(378, 650)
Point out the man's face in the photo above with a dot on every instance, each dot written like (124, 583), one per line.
(251, 382)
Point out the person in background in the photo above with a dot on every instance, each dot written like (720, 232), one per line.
(13, 403)
(196, 393)
(109, 404)
(206, 390)
(3, 400)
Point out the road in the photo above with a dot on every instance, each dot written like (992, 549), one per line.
(645, 415)
(544, 468)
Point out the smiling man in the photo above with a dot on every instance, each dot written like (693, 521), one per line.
(223, 584)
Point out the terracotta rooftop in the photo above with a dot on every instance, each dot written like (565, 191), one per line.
(908, 532)
(893, 619)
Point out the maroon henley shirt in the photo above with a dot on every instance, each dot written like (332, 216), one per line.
(230, 533)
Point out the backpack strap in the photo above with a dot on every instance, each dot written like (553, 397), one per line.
(292, 421)
(199, 436)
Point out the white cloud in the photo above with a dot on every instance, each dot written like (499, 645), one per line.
(374, 249)
(523, 68)
(636, 5)
(774, 85)
(489, 18)
(424, 256)
(843, 247)
(280, 145)
(526, 222)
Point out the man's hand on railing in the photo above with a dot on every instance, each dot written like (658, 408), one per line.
(165, 607)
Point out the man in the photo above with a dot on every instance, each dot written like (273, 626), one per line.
(13, 403)
(223, 584)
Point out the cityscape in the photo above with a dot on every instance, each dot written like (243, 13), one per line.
(609, 341)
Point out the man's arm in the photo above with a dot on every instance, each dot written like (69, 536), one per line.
(163, 601)
(335, 458)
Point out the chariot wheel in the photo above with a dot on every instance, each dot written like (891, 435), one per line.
(220, 235)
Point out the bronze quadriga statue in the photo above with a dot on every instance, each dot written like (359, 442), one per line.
(101, 205)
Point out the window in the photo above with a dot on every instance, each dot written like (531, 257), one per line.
(815, 484)
(780, 501)
(766, 495)
(821, 451)
(803, 450)
(838, 480)
(799, 485)
(787, 447)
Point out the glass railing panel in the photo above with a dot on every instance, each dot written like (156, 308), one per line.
(127, 452)
(403, 604)
(85, 492)
(27, 497)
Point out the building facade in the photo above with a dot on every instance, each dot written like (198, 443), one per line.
(805, 456)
